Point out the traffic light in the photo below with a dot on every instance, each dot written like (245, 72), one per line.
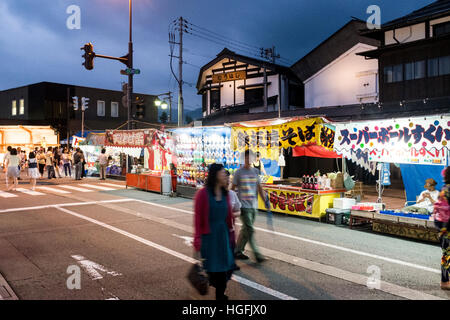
(84, 103)
(140, 111)
(75, 103)
(88, 56)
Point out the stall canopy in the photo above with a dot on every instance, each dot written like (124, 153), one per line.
(419, 140)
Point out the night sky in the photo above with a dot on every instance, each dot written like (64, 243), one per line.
(35, 44)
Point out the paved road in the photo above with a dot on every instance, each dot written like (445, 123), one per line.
(130, 244)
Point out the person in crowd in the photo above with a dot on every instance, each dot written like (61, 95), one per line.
(83, 166)
(49, 163)
(13, 169)
(57, 161)
(41, 161)
(33, 171)
(21, 160)
(426, 200)
(246, 181)
(103, 162)
(5, 163)
(235, 209)
(77, 160)
(213, 221)
(441, 215)
(258, 165)
(66, 162)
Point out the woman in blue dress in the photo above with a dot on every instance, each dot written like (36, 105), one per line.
(213, 236)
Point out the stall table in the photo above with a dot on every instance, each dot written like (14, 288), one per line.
(297, 201)
(148, 181)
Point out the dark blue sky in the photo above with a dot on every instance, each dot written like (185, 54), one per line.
(35, 44)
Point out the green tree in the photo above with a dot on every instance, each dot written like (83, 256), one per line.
(164, 117)
(188, 119)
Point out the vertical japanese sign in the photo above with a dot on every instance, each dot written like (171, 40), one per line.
(407, 140)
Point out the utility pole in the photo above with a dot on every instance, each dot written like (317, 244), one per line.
(170, 106)
(130, 65)
(180, 83)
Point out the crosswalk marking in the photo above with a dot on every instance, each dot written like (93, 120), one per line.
(96, 187)
(76, 188)
(30, 192)
(53, 189)
(112, 185)
(4, 194)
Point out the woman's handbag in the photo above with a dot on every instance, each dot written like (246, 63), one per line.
(199, 279)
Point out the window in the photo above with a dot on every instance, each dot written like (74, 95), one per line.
(441, 29)
(101, 108)
(14, 108)
(444, 65)
(419, 69)
(21, 106)
(215, 99)
(388, 75)
(433, 70)
(254, 95)
(409, 71)
(114, 109)
(398, 73)
(415, 70)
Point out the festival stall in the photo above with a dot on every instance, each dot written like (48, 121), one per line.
(27, 138)
(92, 147)
(151, 153)
(301, 196)
(196, 149)
(419, 145)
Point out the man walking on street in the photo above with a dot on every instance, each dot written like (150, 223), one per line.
(246, 180)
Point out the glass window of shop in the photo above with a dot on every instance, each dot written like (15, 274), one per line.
(101, 108)
(215, 99)
(397, 73)
(433, 70)
(388, 76)
(14, 108)
(114, 109)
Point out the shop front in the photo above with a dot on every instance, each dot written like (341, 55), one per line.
(419, 146)
(150, 154)
(196, 149)
(302, 195)
(27, 138)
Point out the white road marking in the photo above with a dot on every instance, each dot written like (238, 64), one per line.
(181, 256)
(30, 192)
(73, 204)
(187, 240)
(307, 264)
(4, 194)
(76, 188)
(52, 189)
(348, 276)
(112, 185)
(357, 252)
(91, 268)
(96, 187)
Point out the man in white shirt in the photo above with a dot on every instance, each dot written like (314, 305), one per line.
(426, 200)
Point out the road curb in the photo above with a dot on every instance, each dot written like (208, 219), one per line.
(6, 293)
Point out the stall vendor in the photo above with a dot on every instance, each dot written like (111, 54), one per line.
(426, 200)
(258, 165)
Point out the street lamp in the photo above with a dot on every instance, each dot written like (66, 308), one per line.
(163, 104)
